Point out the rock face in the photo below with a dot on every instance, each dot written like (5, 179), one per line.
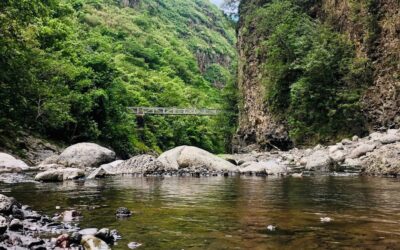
(194, 159)
(374, 30)
(9, 164)
(56, 175)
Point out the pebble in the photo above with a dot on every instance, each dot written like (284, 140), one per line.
(134, 245)
(326, 219)
(271, 228)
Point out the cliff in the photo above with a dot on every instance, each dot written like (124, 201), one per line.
(366, 79)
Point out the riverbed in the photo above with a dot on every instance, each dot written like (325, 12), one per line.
(231, 212)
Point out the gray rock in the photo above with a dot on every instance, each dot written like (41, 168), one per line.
(385, 160)
(104, 170)
(7, 203)
(56, 175)
(338, 156)
(88, 231)
(271, 167)
(105, 235)
(8, 164)
(123, 212)
(355, 138)
(90, 242)
(361, 150)
(352, 163)
(16, 225)
(334, 148)
(319, 161)
(85, 155)
(141, 164)
(346, 142)
(3, 225)
(192, 158)
(389, 138)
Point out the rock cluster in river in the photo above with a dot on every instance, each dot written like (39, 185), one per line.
(376, 154)
(23, 228)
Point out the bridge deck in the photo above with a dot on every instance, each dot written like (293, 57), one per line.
(173, 111)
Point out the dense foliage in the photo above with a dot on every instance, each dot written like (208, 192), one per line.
(312, 78)
(70, 68)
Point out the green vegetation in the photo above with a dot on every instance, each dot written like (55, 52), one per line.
(312, 78)
(70, 68)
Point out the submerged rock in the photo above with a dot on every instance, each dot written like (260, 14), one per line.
(134, 245)
(9, 164)
(194, 159)
(123, 212)
(56, 175)
(90, 242)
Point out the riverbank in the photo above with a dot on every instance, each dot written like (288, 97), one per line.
(377, 154)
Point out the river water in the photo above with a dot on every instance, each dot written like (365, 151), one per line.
(231, 212)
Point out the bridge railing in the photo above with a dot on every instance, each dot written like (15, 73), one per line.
(173, 111)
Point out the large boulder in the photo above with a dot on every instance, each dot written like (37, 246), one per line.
(194, 159)
(271, 167)
(385, 160)
(319, 161)
(63, 174)
(9, 164)
(85, 155)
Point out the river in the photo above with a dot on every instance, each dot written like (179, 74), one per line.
(231, 212)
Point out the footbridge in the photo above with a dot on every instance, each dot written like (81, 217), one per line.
(141, 111)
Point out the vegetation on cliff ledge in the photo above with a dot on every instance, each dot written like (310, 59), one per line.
(312, 76)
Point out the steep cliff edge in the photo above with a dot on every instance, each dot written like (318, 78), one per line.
(374, 27)
(363, 94)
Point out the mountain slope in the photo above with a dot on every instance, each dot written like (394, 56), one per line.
(72, 67)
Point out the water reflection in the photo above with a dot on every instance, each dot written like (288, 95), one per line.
(232, 212)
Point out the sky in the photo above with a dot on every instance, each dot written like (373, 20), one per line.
(217, 2)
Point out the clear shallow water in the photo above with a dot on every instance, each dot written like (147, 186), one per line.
(232, 212)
